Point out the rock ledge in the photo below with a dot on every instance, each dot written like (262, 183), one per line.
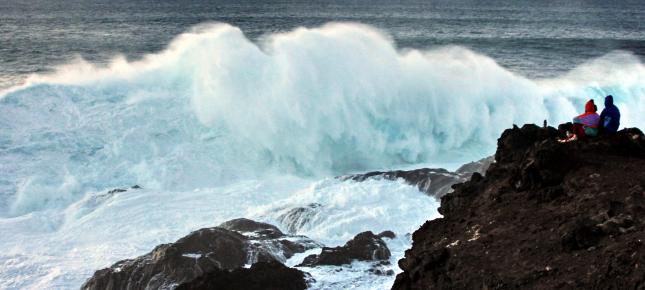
(546, 216)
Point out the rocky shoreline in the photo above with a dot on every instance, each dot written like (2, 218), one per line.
(233, 252)
(219, 256)
(545, 215)
(230, 254)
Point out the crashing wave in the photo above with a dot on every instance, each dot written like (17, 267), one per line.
(215, 107)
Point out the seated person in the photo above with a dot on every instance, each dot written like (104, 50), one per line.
(585, 124)
(610, 117)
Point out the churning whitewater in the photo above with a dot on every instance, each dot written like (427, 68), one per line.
(218, 127)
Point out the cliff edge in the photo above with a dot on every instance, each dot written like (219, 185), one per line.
(547, 215)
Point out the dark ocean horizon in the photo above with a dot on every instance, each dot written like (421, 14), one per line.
(534, 38)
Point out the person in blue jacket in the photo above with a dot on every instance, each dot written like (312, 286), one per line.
(610, 117)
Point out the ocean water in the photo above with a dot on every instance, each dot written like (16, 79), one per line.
(533, 38)
(222, 110)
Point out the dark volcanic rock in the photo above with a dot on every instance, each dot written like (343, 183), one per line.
(201, 251)
(261, 276)
(365, 246)
(230, 246)
(546, 216)
(432, 181)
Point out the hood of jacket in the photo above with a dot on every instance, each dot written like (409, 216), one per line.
(590, 107)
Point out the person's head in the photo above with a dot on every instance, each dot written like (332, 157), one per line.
(609, 100)
(590, 107)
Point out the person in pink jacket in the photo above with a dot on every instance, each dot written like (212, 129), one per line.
(585, 124)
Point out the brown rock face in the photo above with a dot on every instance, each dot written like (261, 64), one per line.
(546, 216)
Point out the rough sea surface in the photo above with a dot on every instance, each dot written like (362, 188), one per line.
(534, 38)
(222, 110)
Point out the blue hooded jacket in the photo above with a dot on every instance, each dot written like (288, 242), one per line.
(610, 116)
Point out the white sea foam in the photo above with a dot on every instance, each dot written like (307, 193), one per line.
(213, 126)
(52, 249)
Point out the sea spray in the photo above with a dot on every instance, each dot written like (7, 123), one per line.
(215, 107)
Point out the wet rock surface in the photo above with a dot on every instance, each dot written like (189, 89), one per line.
(365, 246)
(546, 216)
(432, 181)
(200, 252)
(230, 246)
(261, 276)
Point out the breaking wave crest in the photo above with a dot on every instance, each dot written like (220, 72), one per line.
(215, 106)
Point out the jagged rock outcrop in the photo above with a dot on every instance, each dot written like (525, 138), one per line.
(365, 246)
(261, 276)
(230, 246)
(433, 181)
(546, 216)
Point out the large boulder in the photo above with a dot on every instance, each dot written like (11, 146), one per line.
(200, 252)
(365, 246)
(230, 246)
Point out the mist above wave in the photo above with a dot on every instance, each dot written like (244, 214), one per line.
(215, 107)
